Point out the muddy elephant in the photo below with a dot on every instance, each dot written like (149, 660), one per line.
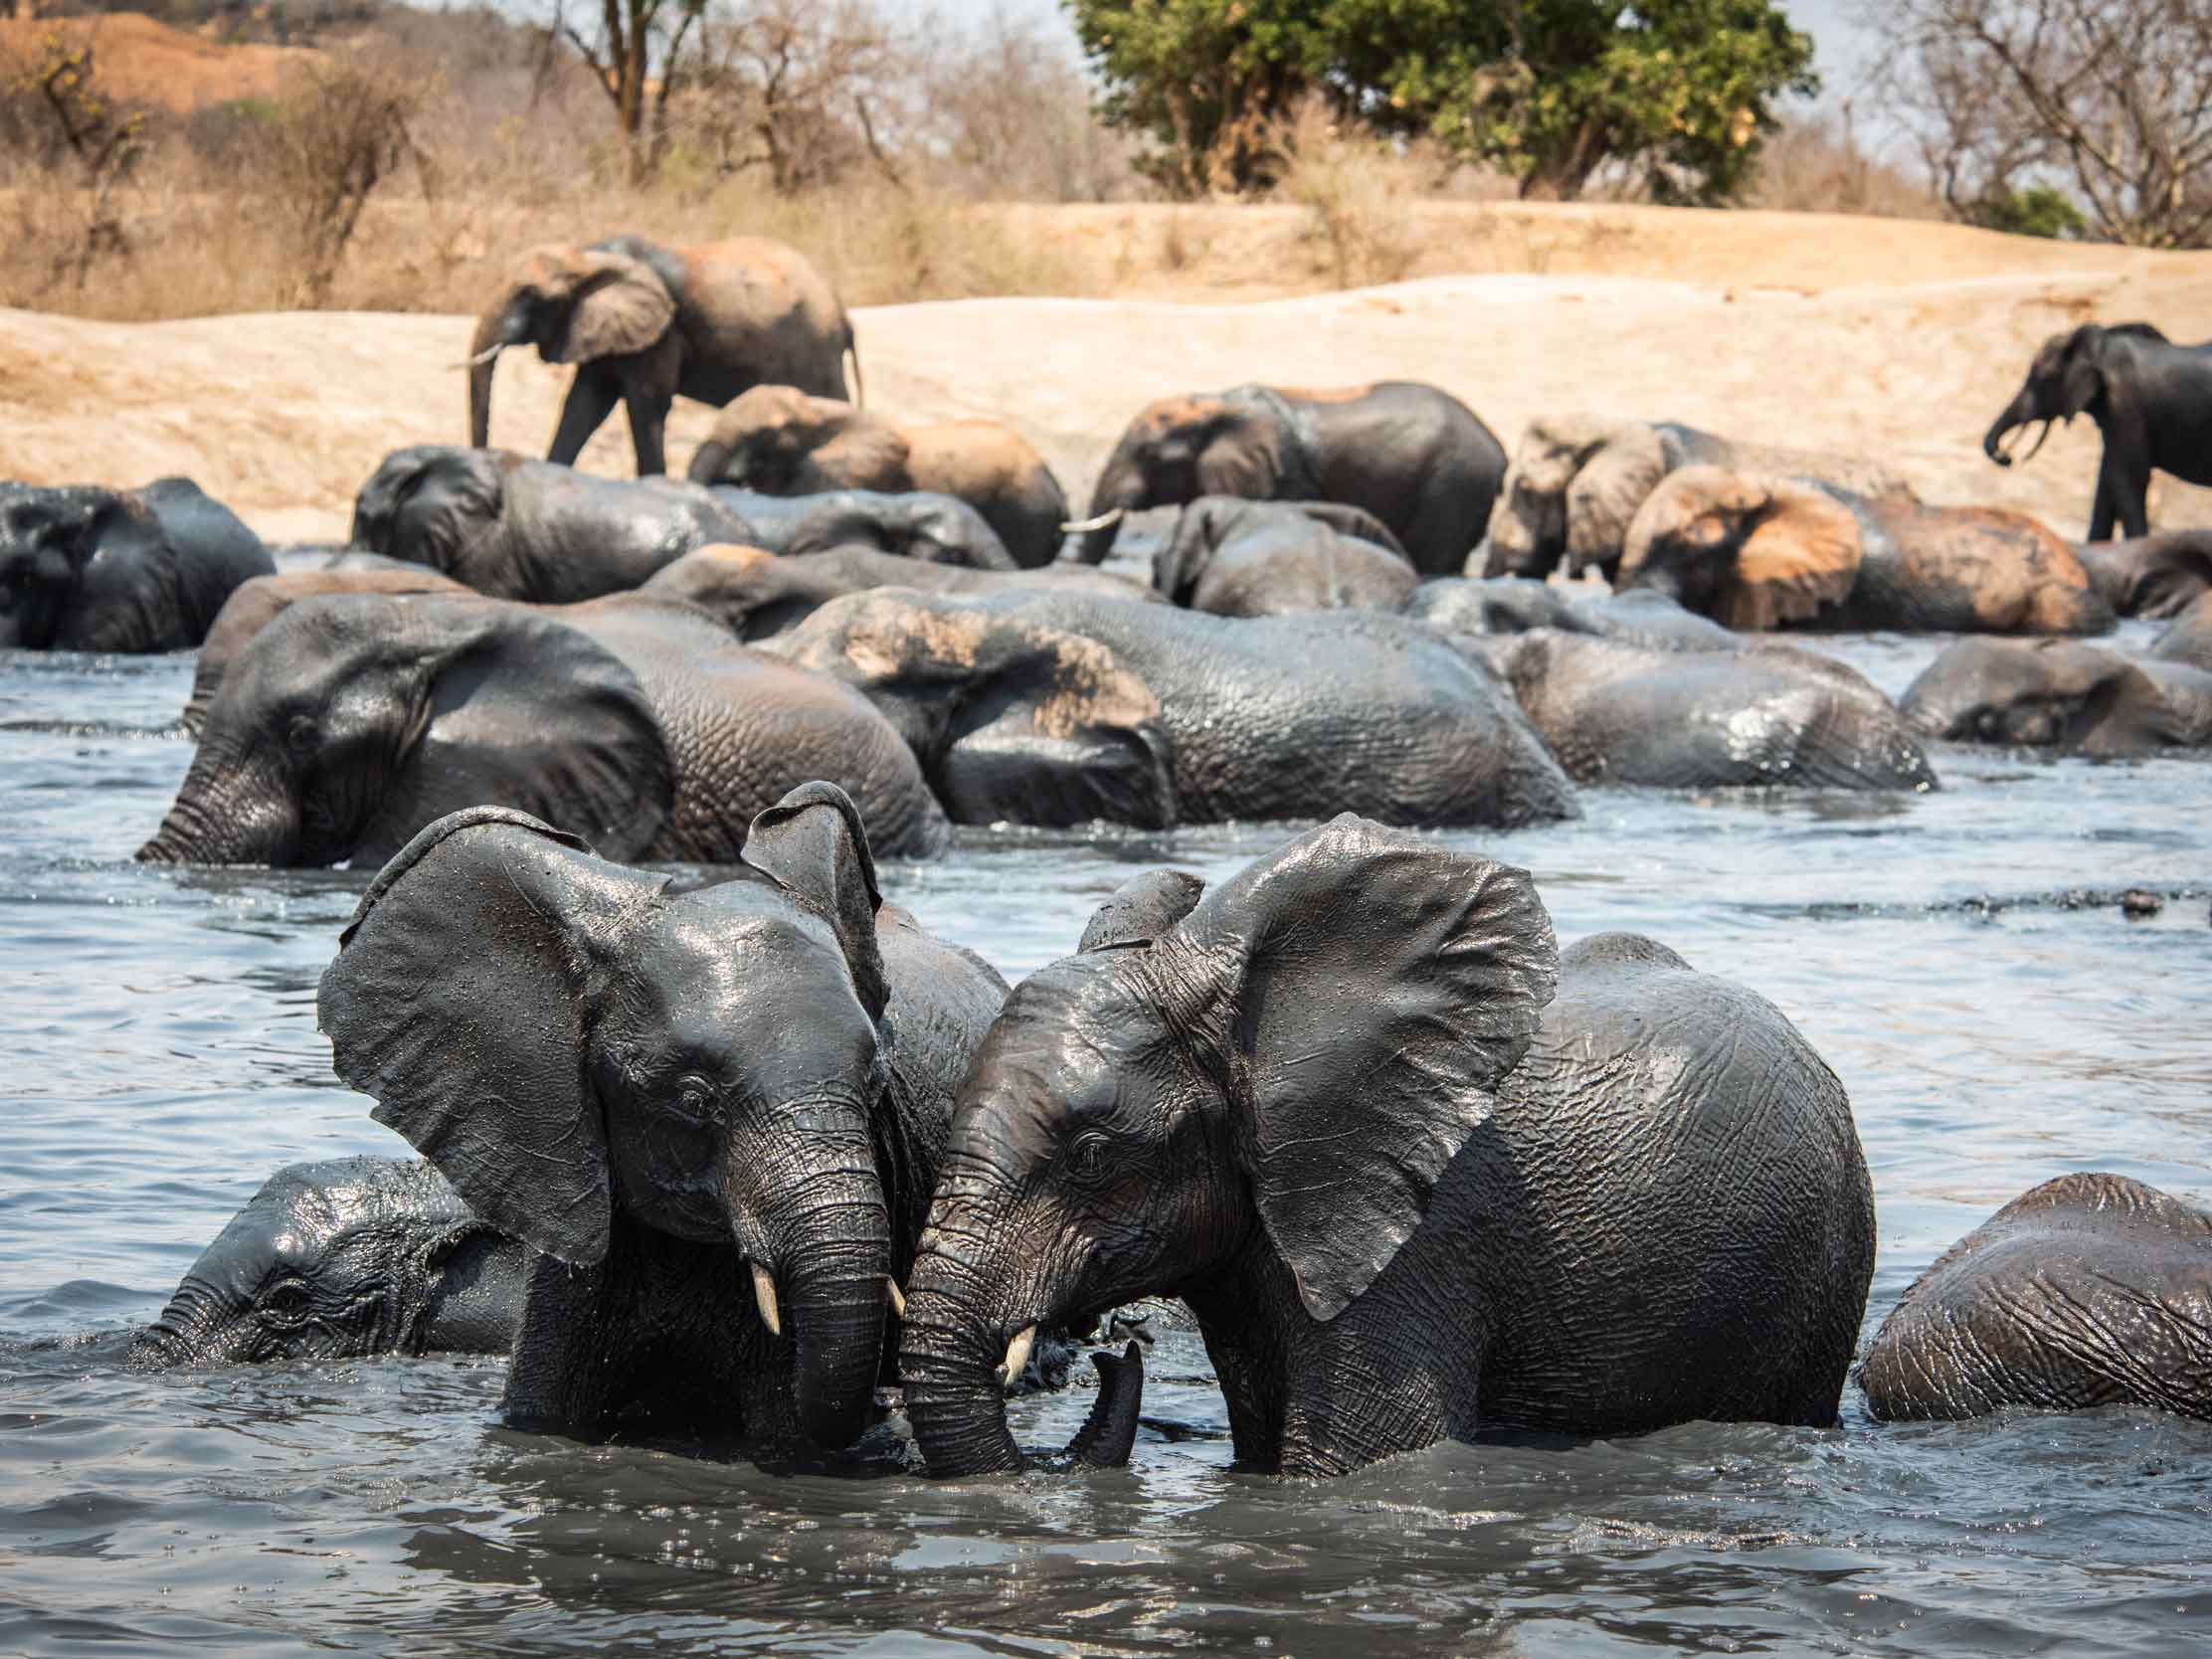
(2060, 693)
(1414, 457)
(1055, 709)
(2090, 1290)
(1230, 557)
(645, 324)
(1418, 1173)
(783, 442)
(755, 594)
(339, 1261)
(1755, 552)
(1771, 717)
(1577, 480)
(2157, 575)
(2190, 638)
(2151, 400)
(1501, 604)
(516, 528)
(717, 1115)
(88, 568)
(351, 721)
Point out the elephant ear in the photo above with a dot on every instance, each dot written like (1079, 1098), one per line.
(1141, 909)
(456, 1001)
(1379, 987)
(621, 307)
(1801, 555)
(1354, 524)
(1182, 562)
(427, 503)
(2082, 379)
(814, 845)
(1243, 456)
(1604, 493)
(867, 455)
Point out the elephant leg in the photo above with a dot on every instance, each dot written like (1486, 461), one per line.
(569, 1362)
(591, 399)
(649, 408)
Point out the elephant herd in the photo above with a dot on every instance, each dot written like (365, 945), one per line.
(743, 1148)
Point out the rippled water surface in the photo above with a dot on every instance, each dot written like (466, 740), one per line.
(1995, 1022)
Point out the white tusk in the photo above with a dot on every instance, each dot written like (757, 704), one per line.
(480, 359)
(764, 1298)
(1083, 526)
(898, 1297)
(1017, 1354)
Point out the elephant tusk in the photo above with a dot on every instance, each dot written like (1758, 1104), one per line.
(898, 1296)
(764, 1298)
(1018, 1354)
(480, 359)
(2039, 439)
(1104, 521)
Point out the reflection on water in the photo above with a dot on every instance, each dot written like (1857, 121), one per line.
(1959, 958)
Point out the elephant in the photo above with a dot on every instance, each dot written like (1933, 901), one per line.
(781, 441)
(1755, 552)
(645, 324)
(2151, 400)
(1415, 1172)
(1230, 557)
(254, 604)
(717, 1115)
(1578, 480)
(1059, 708)
(1517, 603)
(339, 1261)
(2060, 693)
(1775, 716)
(86, 568)
(516, 528)
(916, 524)
(2157, 575)
(2089, 1290)
(352, 721)
(757, 594)
(1414, 457)
(2189, 638)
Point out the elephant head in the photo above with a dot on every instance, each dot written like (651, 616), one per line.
(338, 1259)
(1272, 1079)
(1577, 481)
(427, 504)
(567, 1038)
(47, 538)
(2041, 693)
(782, 442)
(2066, 379)
(1180, 448)
(351, 720)
(573, 305)
(1749, 551)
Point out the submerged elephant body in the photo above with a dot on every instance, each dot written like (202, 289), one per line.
(922, 525)
(1230, 557)
(2090, 1290)
(2060, 693)
(1409, 1193)
(1059, 708)
(1519, 604)
(2158, 575)
(350, 722)
(86, 568)
(2190, 638)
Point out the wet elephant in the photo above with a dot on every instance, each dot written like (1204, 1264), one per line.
(918, 525)
(1515, 603)
(2157, 575)
(1417, 1172)
(2060, 693)
(2188, 639)
(1230, 557)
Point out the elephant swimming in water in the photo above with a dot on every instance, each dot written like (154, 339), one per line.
(2060, 693)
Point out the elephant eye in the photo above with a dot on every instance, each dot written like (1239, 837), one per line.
(288, 1304)
(300, 736)
(692, 1099)
(1988, 725)
(1089, 1155)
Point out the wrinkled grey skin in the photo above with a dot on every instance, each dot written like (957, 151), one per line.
(2158, 575)
(2090, 1290)
(914, 524)
(351, 721)
(755, 595)
(2190, 640)
(1517, 603)
(1232, 557)
(339, 1261)
(86, 567)
(1409, 1192)
(1772, 717)
(2151, 398)
(534, 530)
(2060, 693)
(1059, 709)
(718, 1114)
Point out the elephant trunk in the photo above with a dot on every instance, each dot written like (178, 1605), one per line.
(495, 331)
(1120, 491)
(227, 812)
(836, 1257)
(950, 1360)
(2018, 413)
(196, 1327)
(708, 462)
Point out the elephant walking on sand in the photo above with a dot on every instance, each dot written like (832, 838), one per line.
(645, 324)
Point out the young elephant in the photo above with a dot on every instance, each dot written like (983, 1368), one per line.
(1414, 457)
(1408, 1195)
(351, 721)
(1770, 718)
(1230, 557)
(718, 1114)
(921, 525)
(1518, 603)
(755, 595)
(1057, 708)
(780, 441)
(2157, 575)
(2060, 693)
(83, 567)
(2089, 1290)
(339, 1261)
(515, 528)
(1578, 480)
(646, 324)
(1757, 552)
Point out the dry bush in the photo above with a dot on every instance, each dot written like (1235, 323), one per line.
(1816, 166)
(1360, 190)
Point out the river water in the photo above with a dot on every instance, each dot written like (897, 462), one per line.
(1957, 956)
